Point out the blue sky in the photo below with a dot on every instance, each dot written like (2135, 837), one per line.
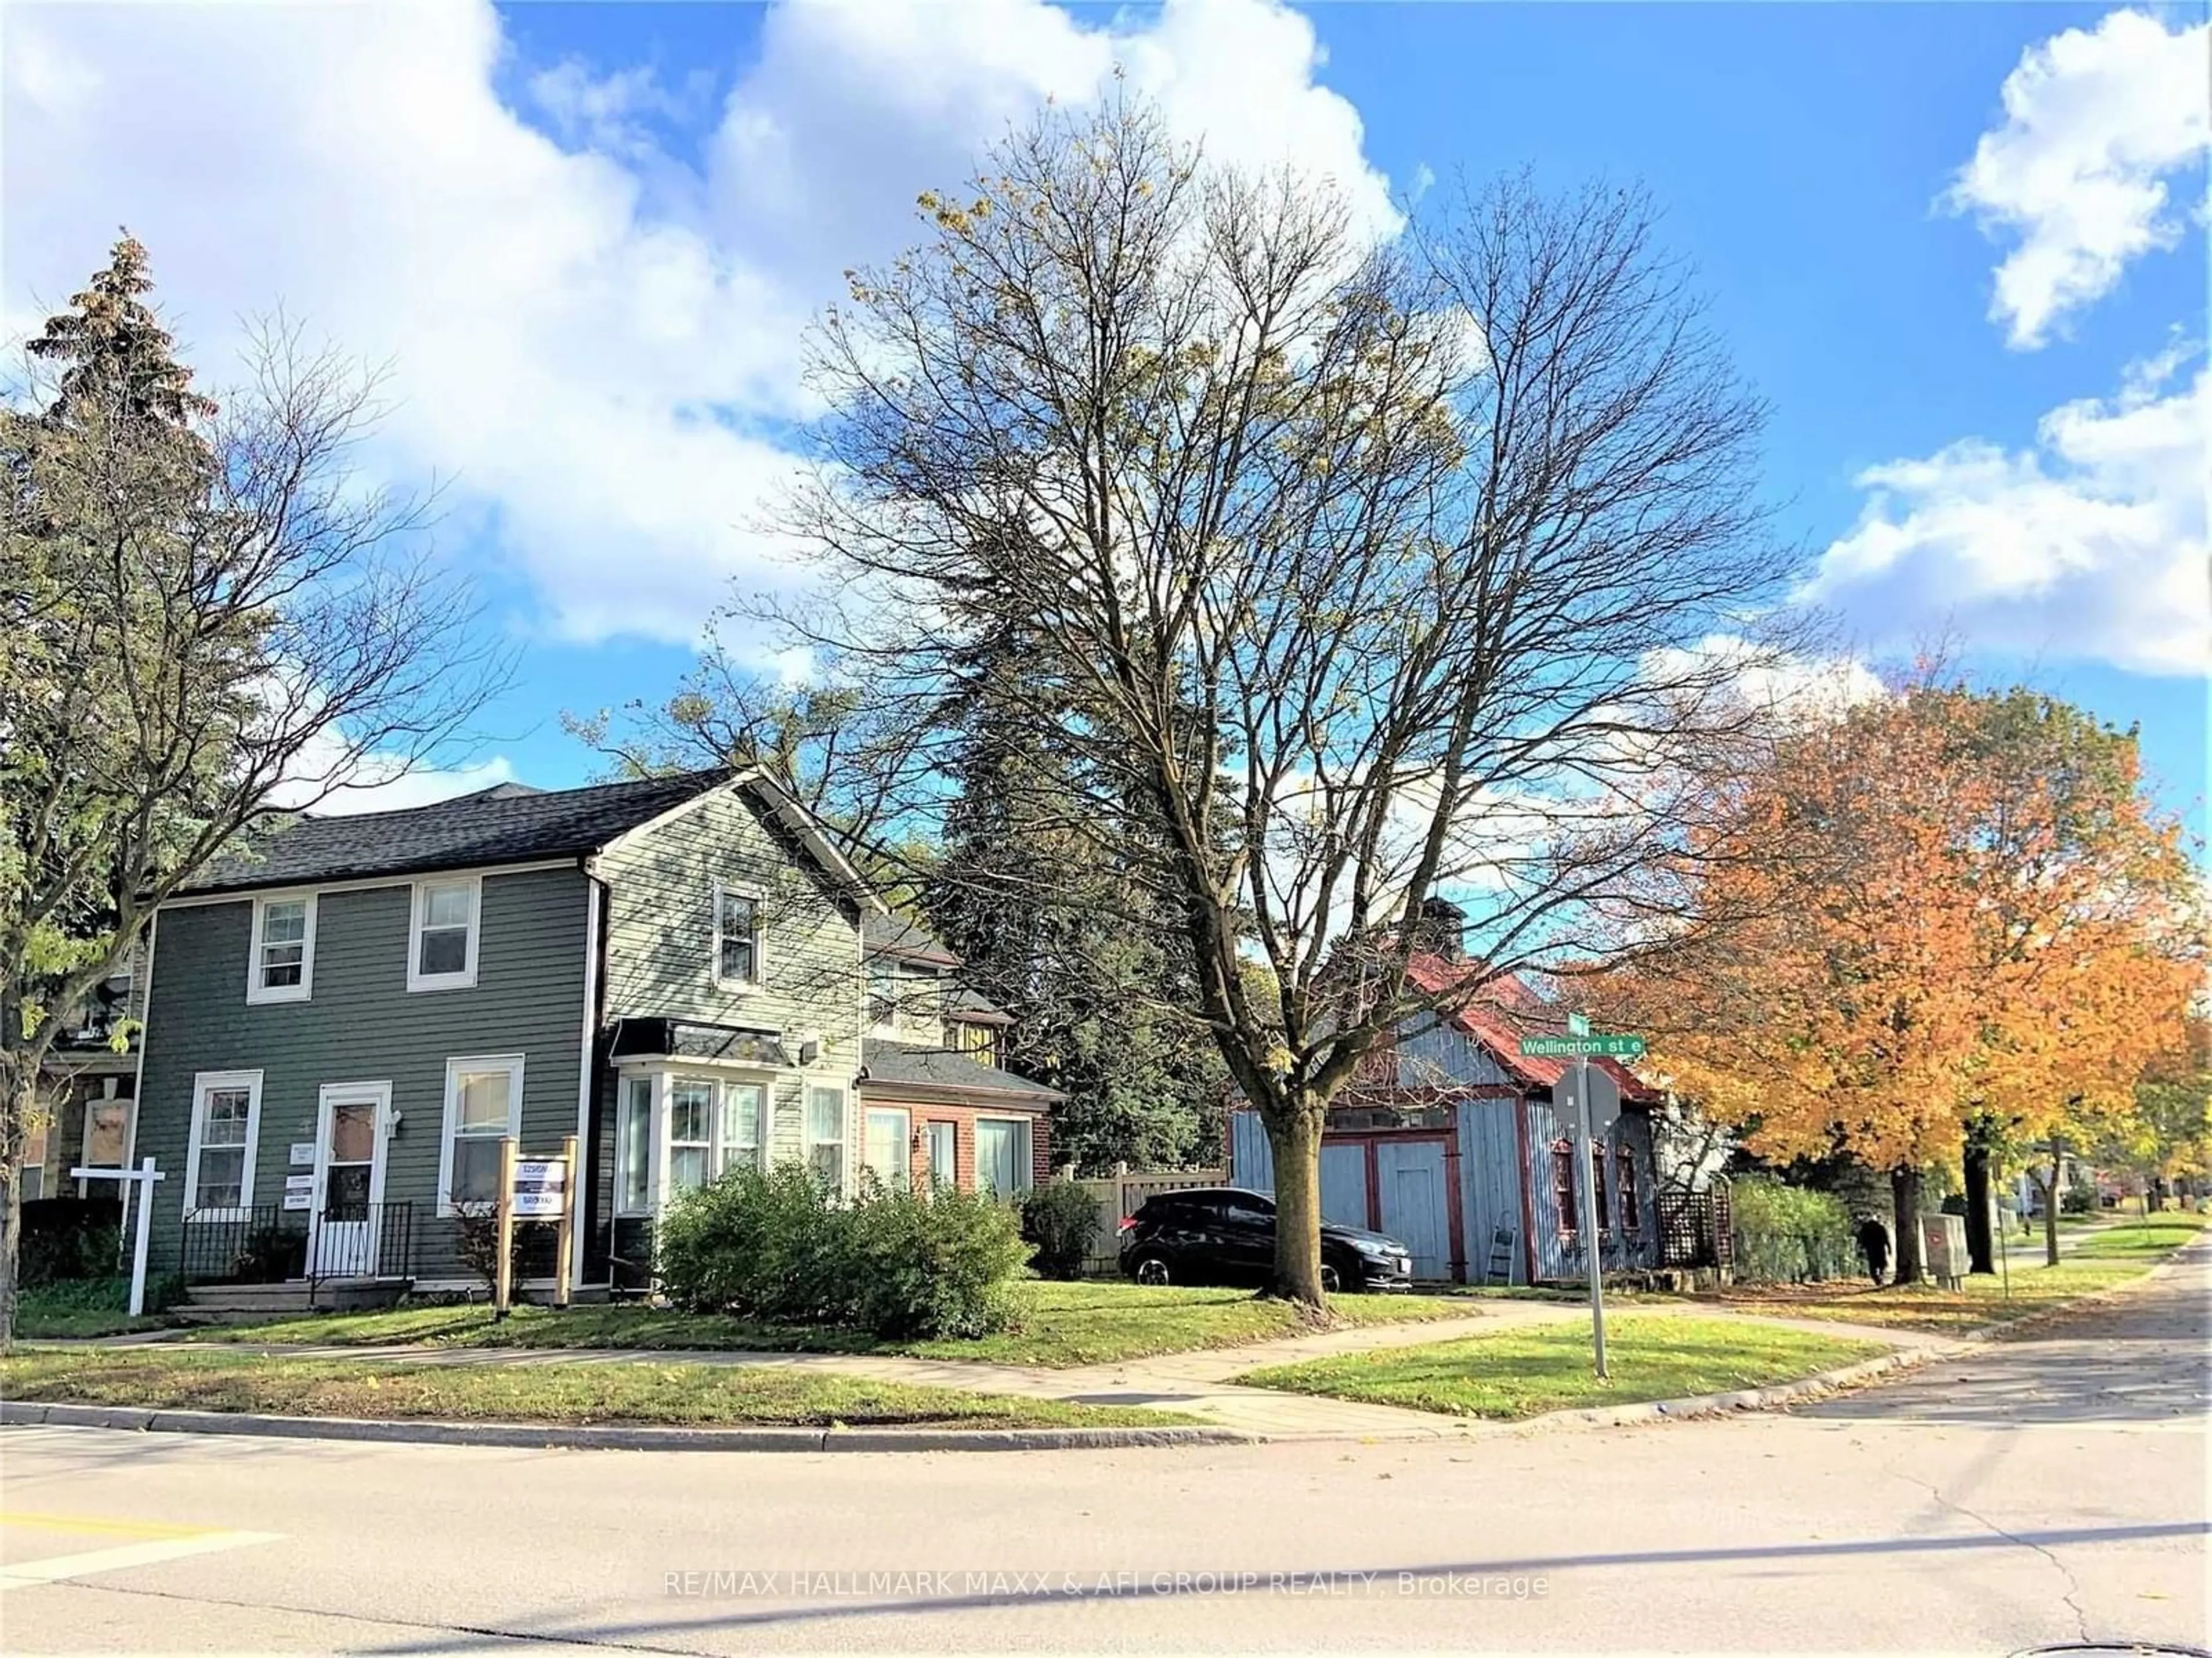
(584, 236)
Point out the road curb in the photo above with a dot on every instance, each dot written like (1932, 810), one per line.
(523, 1434)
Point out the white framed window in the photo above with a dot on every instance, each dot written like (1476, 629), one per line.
(737, 942)
(1003, 1162)
(882, 997)
(281, 965)
(634, 1147)
(483, 1106)
(441, 936)
(885, 1153)
(745, 1111)
(219, 1152)
(690, 1133)
(825, 1135)
(944, 1154)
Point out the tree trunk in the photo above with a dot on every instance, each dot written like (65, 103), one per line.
(18, 1098)
(1981, 1254)
(1904, 1205)
(2050, 1207)
(1296, 1143)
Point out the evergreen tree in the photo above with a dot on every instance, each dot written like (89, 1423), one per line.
(1067, 937)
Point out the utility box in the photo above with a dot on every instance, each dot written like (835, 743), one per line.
(1943, 1248)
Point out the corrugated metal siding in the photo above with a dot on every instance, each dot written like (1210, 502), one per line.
(1251, 1159)
(1440, 1056)
(363, 1025)
(1344, 1185)
(1555, 1259)
(1410, 1182)
(1489, 1194)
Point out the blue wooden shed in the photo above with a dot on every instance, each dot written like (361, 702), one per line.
(1458, 1146)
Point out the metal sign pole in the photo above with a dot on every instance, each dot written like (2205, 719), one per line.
(1589, 1214)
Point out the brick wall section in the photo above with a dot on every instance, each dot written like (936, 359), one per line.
(921, 1112)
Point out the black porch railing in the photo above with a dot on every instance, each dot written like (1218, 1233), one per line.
(271, 1244)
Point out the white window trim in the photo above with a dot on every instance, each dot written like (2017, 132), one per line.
(950, 1128)
(513, 1063)
(726, 1155)
(905, 1144)
(628, 1212)
(737, 889)
(847, 1164)
(1027, 1181)
(205, 1083)
(467, 978)
(256, 994)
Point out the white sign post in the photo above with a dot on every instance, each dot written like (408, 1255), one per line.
(143, 1177)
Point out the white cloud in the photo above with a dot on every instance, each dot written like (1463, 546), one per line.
(595, 344)
(2088, 543)
(2096, 122)
(378, 782)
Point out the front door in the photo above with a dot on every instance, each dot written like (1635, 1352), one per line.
(348, 1179)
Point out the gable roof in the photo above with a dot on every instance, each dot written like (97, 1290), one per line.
(1512, 1010)
(894, 935)
(506, 823)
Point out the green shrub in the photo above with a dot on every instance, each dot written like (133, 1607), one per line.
(1060, 1220)
(1787, 1234)
(761, 1245)
(2077, 1201)
(778, 1248)
(940, 1264)
(68, 1238)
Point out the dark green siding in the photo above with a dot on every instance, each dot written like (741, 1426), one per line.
(363, 1025)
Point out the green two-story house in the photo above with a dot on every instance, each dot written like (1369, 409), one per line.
(345, 1021)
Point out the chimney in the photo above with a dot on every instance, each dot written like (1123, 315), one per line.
(1441, 930)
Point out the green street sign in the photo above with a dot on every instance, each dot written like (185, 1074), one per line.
(1578, 1024)
(1570, 1048)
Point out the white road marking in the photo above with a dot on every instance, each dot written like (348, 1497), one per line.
(55, 1568)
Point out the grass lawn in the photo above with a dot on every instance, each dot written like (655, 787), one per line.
(1060, 1325)
(2107, 1258)
(690, 1395)
(1523, 1373)
(92, 1306)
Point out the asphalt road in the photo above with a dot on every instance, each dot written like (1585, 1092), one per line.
(2039, 1491)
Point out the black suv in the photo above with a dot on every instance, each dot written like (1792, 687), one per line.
(1220, 1235)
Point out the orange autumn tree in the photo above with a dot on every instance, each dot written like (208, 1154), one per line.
(1954, 910)
(2089, 934)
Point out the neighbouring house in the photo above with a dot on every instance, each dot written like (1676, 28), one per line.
(346, 1020)
(86, 1116)
(1453, 1143)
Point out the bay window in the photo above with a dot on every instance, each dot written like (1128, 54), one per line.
(825, 1135)
(634, 1148)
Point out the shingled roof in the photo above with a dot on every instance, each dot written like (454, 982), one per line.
(506, 823)
(1508, 1011)
(893, 1065)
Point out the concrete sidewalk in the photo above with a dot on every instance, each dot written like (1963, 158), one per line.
(1198, 1383)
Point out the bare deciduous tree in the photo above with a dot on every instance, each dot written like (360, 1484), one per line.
(206, 618)
(1350, 574)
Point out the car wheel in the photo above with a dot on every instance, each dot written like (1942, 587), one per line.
(1151, 1270)
(1332, 1281)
